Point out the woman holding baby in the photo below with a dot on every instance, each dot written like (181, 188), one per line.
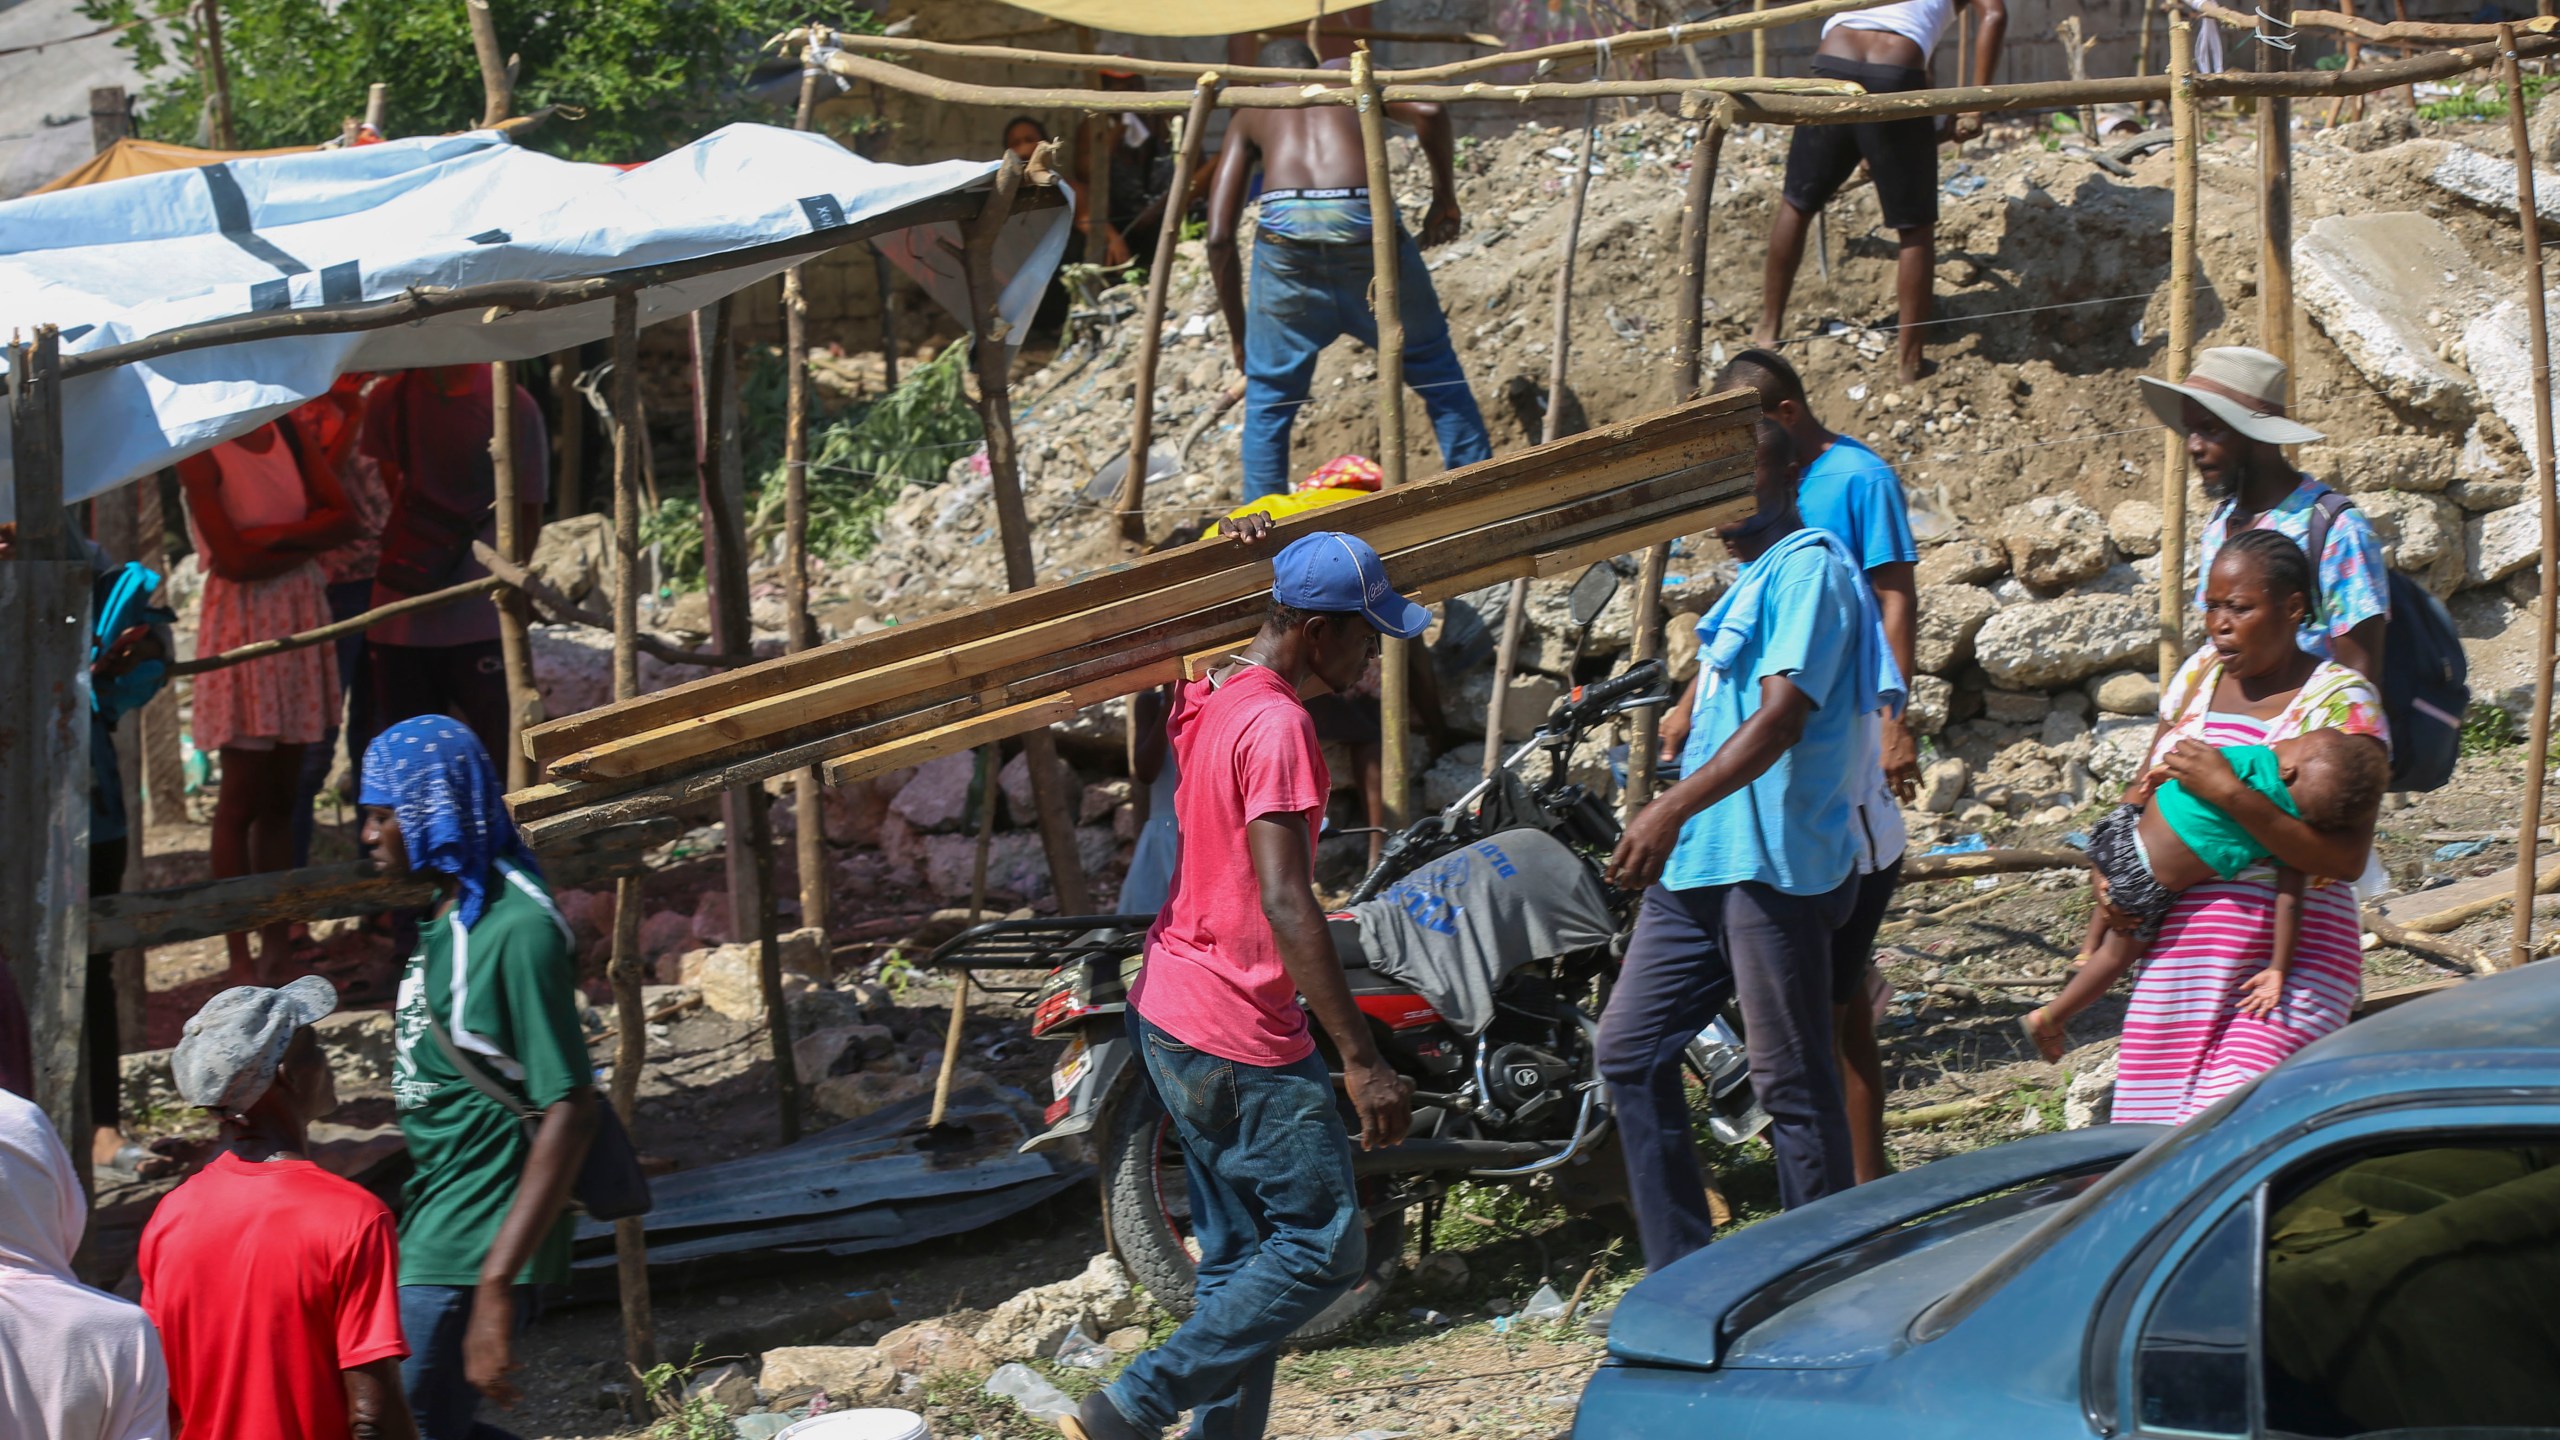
(2229, 869)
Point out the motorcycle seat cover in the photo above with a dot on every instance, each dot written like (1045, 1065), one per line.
(1456, 928)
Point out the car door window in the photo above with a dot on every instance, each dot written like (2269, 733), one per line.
(2191, 1369)
(2410, 1290)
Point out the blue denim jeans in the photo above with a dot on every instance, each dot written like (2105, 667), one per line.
(1305, 296)
(432, 1320)
(1278, 1224)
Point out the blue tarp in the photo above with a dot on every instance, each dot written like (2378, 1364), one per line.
(131, 258)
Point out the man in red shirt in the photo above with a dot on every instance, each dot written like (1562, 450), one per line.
(275, 1284)
(1216, 1014)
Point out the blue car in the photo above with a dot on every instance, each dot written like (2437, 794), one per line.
(2363, 1242)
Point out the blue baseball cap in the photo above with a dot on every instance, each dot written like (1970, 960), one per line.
(1339, 574)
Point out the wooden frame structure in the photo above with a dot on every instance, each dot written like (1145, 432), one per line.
(46, 940)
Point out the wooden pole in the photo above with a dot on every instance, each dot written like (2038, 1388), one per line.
(1688, 341)
(44, 749)
(989, 797)
(1759, 38)
(2142, 46)
(568, 438)
(745, 809)
(2537, 758)
(497, 92)
(1386, 230)
(2275, 196)
(217, 73)
(2075, 59)
(994, 361)
(2182, 321)
(808, 831)
(377, 108)
(1515, 608)
(515, 615)
(631, 1043)
(1133, 484)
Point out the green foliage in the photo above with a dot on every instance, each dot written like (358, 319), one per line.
(649, 74)
(897, 975)
(682, 1416)
(2486, 729)
(2483, 102)
(859, 461)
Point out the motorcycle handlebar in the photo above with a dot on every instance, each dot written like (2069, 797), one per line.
(1600, 693)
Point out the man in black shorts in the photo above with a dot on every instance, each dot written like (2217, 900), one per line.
(1886, 49)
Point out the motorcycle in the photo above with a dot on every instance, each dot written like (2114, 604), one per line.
(1481, 949)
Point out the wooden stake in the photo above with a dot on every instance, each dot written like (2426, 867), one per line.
(1133, 484)
(524, 700)
(1759, 38)
(2182, 313)
(1688, 340)
(808, 831)
(994, 361)
(630, 1240)
(1516, 605)
(217, 77)
(2537, 757)
(2142, 46)
(2275, 197)
(2075, 58)
(990, 795)
(568, 437)
(1386, 230)
(497, 92)
(377, 108)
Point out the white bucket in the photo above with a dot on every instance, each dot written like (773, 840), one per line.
(859, 1425)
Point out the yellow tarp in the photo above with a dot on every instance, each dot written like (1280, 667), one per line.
(130, 157)
(1191, 17)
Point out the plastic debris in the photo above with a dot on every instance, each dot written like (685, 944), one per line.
(1545, 1305)
(1080, 1352)
(2460, 850)
(1964, 182)
(1027, 1388)
(1972, 844)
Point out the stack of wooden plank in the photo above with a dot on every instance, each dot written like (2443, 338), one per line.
(933, 687)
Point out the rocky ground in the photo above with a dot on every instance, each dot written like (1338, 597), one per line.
(2033, 473)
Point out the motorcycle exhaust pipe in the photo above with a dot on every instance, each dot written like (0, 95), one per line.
(1426, 1154)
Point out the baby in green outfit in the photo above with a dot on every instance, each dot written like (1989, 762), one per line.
(2145, 855)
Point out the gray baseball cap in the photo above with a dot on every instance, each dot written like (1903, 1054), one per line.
(228, 1056)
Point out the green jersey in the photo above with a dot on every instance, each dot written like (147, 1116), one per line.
(2218, 840)
(506, 992)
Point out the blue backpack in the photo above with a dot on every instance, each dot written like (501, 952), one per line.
(124, 601)
(2425, 676)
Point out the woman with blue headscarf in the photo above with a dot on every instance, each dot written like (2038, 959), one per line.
(488, 1002)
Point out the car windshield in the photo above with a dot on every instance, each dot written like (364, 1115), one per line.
(1943, 1316)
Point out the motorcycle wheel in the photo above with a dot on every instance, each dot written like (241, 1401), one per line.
(1149, 1200)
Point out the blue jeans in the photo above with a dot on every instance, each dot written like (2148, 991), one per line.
(432, 1320)
(1692, 950)
(1303, 298)
(1277, 1220)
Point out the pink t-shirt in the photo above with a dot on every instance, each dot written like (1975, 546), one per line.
(1214, 979)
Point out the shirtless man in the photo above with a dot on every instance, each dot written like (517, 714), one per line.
(1886, 49)
(1312, 268)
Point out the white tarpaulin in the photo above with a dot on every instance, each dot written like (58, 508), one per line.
(132, 258)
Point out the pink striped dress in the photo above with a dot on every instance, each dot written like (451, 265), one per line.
(2186, 1044)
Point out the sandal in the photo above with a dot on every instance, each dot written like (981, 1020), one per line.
(2048, 1044)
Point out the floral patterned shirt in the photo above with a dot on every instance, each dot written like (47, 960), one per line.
(2334, 698)
(2354, 587)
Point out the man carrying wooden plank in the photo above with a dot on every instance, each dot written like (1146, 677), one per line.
(1215, 1013)
(1312, 269)
(1749, 865)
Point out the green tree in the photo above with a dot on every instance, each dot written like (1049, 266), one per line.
(649, 74)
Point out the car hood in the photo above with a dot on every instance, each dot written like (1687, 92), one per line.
(1888, 1249)
(1865, 1313)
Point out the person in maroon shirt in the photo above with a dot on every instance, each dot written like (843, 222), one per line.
(275, 1284)
(1216, 1016)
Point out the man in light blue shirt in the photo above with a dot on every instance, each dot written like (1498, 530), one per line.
(1750, 863)
(1850, 491)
